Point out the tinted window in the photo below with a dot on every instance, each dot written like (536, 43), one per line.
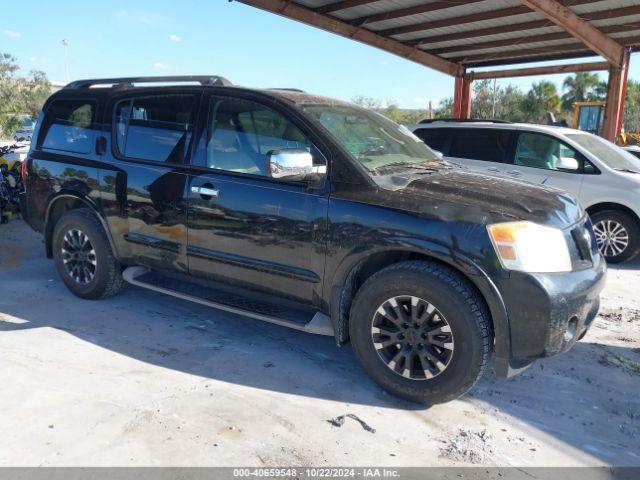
(155, 128)
(480, 144)
(434, 137)
(240, 134)
(542, 151)
(67, 126)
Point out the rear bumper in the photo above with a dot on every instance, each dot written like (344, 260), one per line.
(548, 313)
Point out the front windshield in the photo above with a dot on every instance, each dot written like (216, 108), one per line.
(379, 144)
(608, 153)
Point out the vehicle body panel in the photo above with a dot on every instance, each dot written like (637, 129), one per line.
(303, 242)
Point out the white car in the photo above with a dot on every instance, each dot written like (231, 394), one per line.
(605, 178)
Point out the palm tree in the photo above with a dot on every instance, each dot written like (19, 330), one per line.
(581, 87)
(542, 98)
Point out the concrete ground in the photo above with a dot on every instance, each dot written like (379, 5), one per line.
(145, 379)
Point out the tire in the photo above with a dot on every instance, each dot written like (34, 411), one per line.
(606, 221)
(103, 274)
(453, 302)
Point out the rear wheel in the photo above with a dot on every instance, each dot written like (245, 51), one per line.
(421, 331)
(83, 256)
(617, 234)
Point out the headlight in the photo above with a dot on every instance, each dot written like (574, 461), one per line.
(529, 247)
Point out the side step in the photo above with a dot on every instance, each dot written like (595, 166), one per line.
(230, 300)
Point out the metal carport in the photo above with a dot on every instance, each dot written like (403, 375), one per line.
(456, 37)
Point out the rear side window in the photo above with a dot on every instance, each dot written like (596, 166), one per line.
(157, 128)
(480, 144)
(67, 126)
(436, 138)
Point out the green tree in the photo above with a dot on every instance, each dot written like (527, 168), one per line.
(582, 87)
(631, 119)
(19, 96)
(541, 98)
(367, 102)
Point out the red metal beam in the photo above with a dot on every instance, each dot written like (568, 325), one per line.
(524, 53)
(334, 7)
(528, 39)
(472, 35)
(471, 18)
(302, 14)
(408, 11)
(579, 28)
(547, 70)
(614, 107)
(462, 97)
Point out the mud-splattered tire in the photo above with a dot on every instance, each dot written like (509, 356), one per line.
(452, 346)
(83, 256)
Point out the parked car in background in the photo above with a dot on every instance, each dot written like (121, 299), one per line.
(604, 177)
(25, 132)
(313, 214)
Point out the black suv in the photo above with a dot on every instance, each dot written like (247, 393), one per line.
(314, 214)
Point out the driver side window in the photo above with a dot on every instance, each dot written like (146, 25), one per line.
(542, 151)
(241, 134)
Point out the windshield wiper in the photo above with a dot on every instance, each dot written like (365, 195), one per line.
(627, 170)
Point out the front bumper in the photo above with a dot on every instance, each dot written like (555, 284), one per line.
(548, 313)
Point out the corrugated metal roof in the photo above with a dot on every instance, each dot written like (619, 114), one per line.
(479, 29)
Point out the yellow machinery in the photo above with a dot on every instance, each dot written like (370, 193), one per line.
(589, 116)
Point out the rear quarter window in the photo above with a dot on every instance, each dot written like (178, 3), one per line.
(68, 126)
(436, 138)
(481, 144)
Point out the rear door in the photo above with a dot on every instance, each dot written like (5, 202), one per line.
(246, 228)
(483, 150)
(144, 179)
(544, 159)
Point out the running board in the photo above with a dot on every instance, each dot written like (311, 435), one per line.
(319, 323)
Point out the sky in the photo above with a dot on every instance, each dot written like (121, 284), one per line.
(217, 37)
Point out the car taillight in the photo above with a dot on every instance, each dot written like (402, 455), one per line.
(23, 170)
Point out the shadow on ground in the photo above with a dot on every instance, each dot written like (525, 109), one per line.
(562, 396)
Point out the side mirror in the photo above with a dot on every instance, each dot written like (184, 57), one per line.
(292, 163)
(568, 163)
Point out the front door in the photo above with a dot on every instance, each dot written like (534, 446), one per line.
(144, 179)
(545, 160)
(244, 227)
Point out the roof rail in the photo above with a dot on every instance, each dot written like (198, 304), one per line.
(209, 80)
(462, 120)
(287, 89)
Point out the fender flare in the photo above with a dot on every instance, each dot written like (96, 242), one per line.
(463, 265)
(48, 229)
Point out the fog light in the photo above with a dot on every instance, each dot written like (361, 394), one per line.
(572, 328)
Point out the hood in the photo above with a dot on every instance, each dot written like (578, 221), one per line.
(459, 195)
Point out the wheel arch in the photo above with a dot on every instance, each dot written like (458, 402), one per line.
(352, 278)
(63, 203)
(603, 206)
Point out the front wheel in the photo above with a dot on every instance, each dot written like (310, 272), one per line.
(421, 331)
(83, 256)
(617, 235)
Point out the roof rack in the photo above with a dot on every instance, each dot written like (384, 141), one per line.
(209, 80)
(462, 120)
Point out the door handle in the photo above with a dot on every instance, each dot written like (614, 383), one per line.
(514, 173)
(493, 169)
(206, 191)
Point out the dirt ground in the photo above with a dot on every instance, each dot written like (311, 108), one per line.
(145, 379)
